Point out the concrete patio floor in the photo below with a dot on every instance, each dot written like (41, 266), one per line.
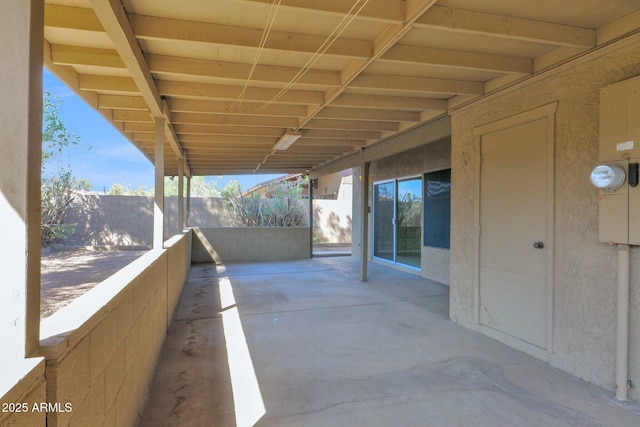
(329, 350)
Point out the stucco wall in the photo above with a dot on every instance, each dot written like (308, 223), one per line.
(332, 221)
(430, 157)
(101, 350)
(584, 307)
(356, 213)
(254, 244)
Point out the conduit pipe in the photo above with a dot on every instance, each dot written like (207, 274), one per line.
(622, 347)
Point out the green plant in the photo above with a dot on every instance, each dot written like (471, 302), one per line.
(58, 185)
(283, 205)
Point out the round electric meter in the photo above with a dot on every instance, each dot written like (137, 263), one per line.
(608, 177)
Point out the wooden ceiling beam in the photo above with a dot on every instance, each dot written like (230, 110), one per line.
(132, 116)
(107, 84)
(193, 90)
(122, 102)
(114, 19)
(508, 27)
(340, 134)
(243, 171)
(389, 37)
(236, 108)
(71, 18)
(385, 102)
(234, 120)
(458, 59)
(228, 130)
(351, 125)
(381, 10)
(154, 28)
(188, 139)
(311, 142)
(173, 65)
(368, 114)
(224, 150)
(87, 56)
(417, 84)
(138, 127)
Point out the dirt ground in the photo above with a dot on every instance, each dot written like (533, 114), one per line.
(67, 275)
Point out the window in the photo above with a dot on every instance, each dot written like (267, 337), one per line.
(437, 209)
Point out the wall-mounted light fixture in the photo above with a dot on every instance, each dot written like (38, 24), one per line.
(287, 140)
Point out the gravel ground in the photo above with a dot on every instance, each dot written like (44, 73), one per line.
(67, 275)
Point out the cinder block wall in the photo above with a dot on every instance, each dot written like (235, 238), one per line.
(27, 390)
(128, 220)
(102, 349)
(111, 220)
(255, 244)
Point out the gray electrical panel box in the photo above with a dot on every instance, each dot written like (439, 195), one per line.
(619, 208)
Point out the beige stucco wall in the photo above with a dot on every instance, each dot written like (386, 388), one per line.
(101, 350)
(334, 185)
(428, 158)
(356, 213)
(584, 296)
(254, 244)
(332, 220)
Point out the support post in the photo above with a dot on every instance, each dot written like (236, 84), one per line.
(364, 226)
(188, 202)
(310, 218)
(21, 43)
(180, 195)
(158, 209)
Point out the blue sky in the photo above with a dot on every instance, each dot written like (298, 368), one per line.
(111, 159)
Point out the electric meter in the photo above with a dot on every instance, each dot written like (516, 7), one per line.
(608, 177)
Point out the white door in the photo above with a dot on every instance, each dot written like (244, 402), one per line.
(514, 210)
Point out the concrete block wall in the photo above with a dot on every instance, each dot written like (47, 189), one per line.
(101, 350)
(179, 253)
(111, 220)
(23, 388)
(256, 244)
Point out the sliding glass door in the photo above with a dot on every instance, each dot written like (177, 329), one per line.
(397, 213)
(409, 214)
(384, 219)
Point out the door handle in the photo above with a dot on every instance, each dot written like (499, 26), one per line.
(538, 245)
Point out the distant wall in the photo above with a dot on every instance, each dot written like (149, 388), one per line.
(128, 220)
(253, 244)
(332, 221)
(111, 220)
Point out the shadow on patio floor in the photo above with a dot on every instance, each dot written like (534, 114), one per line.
(329, 350)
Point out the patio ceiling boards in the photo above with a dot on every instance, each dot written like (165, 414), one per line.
(232, 76)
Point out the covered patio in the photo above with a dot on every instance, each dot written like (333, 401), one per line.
(513, 103)
(306, 343)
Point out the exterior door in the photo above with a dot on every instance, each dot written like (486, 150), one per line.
(384, 219)
(514, 225)
(408, 222)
